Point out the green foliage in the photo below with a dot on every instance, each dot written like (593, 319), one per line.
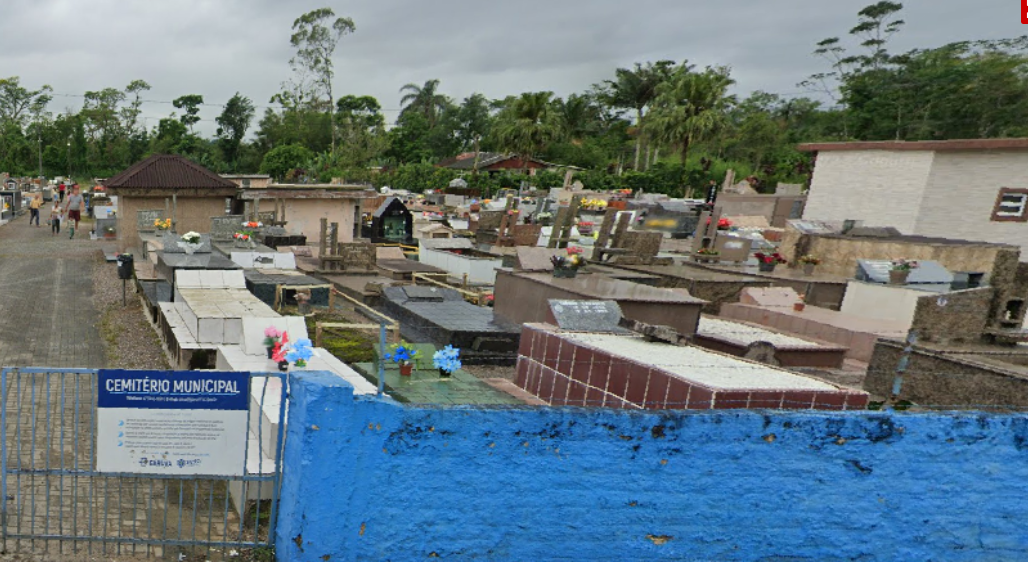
(191, 104)
(283, 162)
(233, 124)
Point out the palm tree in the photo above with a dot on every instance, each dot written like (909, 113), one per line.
(579, 116)
(528, 125)
(635, 89)
(691, 107)
(425, 100)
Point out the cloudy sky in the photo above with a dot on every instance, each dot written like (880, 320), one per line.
(218, 47)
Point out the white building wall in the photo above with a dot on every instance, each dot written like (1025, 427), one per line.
(962, 191)
(894, 303)
(879, 187)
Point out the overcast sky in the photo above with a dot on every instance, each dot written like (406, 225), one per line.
(218, 47)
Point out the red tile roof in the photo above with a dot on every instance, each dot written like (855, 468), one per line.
(964, 144)
(167, 171)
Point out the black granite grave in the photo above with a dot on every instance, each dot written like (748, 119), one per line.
(442, 317)
(392, 223)
(264, 285)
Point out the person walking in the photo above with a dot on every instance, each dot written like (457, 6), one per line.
(34, 206)
(73, 208)
(60, 191)
(56, 214)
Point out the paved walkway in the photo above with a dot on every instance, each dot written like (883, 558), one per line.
(48, 318)
(47, 315)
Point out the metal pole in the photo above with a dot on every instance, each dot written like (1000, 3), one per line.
(901, 368)
(124, 282)
(381, 357)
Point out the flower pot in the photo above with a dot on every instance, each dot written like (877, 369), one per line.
(271, 350)
(444, 374)
(766, 267)
(283, 366)
(799, 306)
(808, 268)
(406, 369)
(899, 276)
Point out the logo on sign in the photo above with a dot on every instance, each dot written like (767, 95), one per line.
(154, 463)
(182, 463)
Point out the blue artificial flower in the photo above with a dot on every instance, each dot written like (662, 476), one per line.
(447, 359)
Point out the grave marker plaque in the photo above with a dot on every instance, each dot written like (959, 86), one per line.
(224, 227)
(586, 316)
(145, 220)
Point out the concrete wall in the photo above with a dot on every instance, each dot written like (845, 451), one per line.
(479, 270)
(961, 194)
(879, 187)
(960, 316)
(368, 479)
(192, 214)
(304, 216)
(894, 303)
(950, 380)
(839, 254)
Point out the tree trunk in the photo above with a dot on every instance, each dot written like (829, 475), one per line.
(649, 152)
(638, 136)
(656, 155)
(474, 169)
(685, 151)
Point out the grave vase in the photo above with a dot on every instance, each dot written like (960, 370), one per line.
(766, 267)
(444, 374)
(283, 366)
(271, 351)
(406, 369)
(898, 276)
(808, 269)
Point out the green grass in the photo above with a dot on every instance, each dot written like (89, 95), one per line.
(349, 346)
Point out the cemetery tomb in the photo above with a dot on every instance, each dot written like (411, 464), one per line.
(626, 371)
(442, 317)
(745, 340)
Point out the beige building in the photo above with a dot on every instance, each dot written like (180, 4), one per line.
(246, 181)
(172, 187)
(961, 189)
(303, 206)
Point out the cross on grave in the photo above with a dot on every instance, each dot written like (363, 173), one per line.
(586, 316)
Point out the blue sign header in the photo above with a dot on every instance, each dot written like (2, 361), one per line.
(173, 390)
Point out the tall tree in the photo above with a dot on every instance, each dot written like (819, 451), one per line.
(425, 100)
(17, 104)
(130, 114)
(232, 125)
(315, 37)
(191, 104)
(635, 89)
(528, 125)
(691, 107)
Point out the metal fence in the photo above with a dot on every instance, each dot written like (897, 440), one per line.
(56, 502)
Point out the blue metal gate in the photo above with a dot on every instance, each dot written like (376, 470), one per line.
(56, 502)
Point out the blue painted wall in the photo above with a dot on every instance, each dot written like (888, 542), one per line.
(369, 479)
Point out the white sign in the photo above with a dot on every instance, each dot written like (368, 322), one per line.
(161, 422)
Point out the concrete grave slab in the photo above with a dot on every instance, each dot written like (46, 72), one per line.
(586, 316)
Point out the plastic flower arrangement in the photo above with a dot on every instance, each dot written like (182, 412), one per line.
(809, 260)
(722, 224)
(402, 353)
(278, 352)
(770, 258)
(162, 224)
(241, 236)
(300, 353)
(191, 237)
(573, 260)
(447, 359)
(271, 336)
(252, 224)
(707, 252)
(904, 265)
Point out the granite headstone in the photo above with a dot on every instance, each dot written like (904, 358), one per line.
(586, 316)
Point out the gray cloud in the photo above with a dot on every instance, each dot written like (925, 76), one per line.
(216, 48)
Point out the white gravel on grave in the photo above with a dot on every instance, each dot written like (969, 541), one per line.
(697, 365)
(745, 335)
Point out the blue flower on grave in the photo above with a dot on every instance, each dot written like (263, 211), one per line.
(447, 359)
(401, 353)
